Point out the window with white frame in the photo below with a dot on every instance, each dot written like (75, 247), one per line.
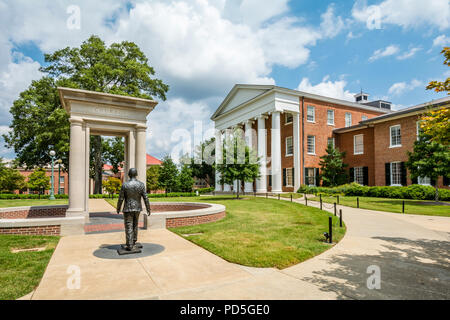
(311, 114)
(363, 118)
(395, 135)
(61, 180)
(61, 190)
(310, 176)
(289, 146)
(358, 144)
(348, 119)
(358, 175)
(331, 141)
(396, 174)
(330, 117)
(311, 142)
(289, 177)
(288, 118)
(424, 181)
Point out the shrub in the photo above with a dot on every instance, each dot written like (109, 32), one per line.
(416, 192)
(205, 190)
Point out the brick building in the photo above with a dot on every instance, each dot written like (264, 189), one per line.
(376, 149)
(63, 184)
(291, 129)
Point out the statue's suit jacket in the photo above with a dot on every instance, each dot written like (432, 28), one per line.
(131, 192)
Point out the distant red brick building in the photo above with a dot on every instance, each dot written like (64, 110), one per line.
(61, 181)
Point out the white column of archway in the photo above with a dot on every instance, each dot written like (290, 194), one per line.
(76, 169)
(87, 146)
(140, 158)
(131, 161)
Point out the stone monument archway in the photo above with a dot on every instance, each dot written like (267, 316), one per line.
(97, 113)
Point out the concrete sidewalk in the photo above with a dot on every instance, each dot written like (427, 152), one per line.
(412, 253)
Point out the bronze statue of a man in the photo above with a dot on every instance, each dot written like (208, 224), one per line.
(132, 191)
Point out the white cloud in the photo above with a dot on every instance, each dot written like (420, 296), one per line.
(171, 115)
(200, 48)
(14, 78)
(409, 54)
(381, 53)
(400, 88)
(331, 25)
(441, 41)
(251, 12)
(333, 89)
(405, 13)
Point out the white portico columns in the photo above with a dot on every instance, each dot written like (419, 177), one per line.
(261, 182)
(276, 152)
(140, 157)
(219, 158)
(296, 142)
(77, 163)
(248, 187)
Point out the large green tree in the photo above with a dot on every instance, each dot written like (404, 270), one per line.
(202, 162)
(39, 121)
(152, 178)
(185, 179)
(38, 180)
(239, 162)
(333, 170)
(10, 178)
(168, 175)
(429, 159)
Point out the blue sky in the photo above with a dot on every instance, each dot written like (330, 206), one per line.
(388, 48)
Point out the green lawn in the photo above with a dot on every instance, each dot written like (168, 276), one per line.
(389, 205)
(31, 202)
(22, 271)
(261, 232)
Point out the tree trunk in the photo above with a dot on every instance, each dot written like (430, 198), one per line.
(98, 165)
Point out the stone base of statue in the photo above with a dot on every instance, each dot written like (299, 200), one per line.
(137, 244)
(123, 250)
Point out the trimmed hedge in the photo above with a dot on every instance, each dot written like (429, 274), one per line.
(11, 196)
(205, 190)
(415, 191)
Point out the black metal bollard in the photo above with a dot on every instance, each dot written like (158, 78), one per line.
(267, 195)
(335, 208)
(340, 218)
(306, 201)
(320, 204)
(278, 196)
(320, 196)
(357, 202)
(291, 197)
(403, 206)
(330, 229)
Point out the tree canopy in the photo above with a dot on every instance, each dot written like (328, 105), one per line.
(39, 121)
(429, 159)
(239, 162)
(38, 180)
(333, 169)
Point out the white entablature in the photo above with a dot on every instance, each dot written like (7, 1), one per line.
(260, 100)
